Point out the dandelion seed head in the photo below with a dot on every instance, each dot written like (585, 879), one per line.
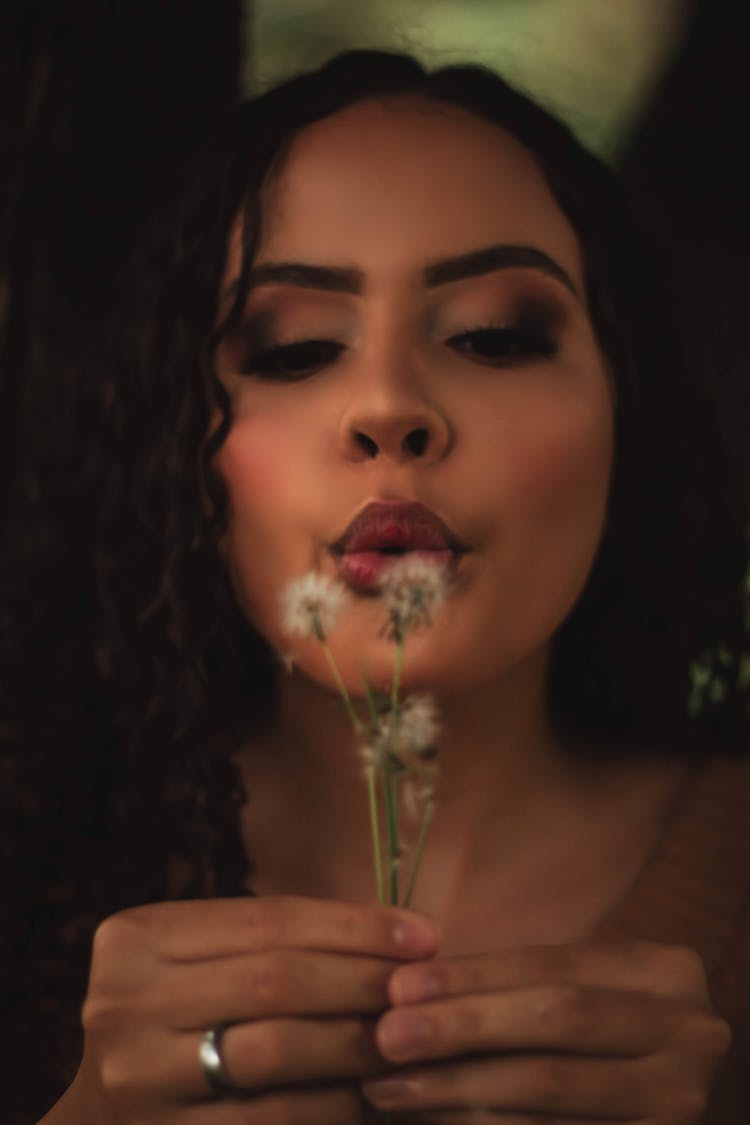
(418, 725)
(417, 794)
(410, 798)
(427, 754)
(372, 754)
(412, 587)
(311, 604)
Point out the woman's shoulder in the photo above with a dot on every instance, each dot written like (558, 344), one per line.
(694, 892)
(694, 888)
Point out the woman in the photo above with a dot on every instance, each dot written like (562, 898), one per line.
(396, 304)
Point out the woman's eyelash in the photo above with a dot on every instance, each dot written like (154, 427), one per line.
(287, 361)
(490, 344)
(503, 345)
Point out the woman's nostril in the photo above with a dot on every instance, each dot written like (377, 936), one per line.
(416, 442)
(369, 446)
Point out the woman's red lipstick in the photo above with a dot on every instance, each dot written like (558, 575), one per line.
(384, 530)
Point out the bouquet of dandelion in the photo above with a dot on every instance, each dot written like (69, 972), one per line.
(395, 737)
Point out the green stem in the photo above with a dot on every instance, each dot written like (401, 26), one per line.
(360, 729)
(370, 697)
(394, 780)
(394, 805)
(398, 661)
(375, 732)
(392, 833)
(375, 830)
(356, 721)
(429, 809)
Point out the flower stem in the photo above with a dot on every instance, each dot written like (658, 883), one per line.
(356, 721)
(429, 809)
(394, 780)
(359, 727)
(375, 830)
(374, 729)
(397, 662)
(392, 832)
(394, 806)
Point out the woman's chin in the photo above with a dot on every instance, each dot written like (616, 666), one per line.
(425, 668)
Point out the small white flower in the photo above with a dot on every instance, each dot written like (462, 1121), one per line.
(413, 741)
(311, 605)
(411, 588)
(417, 794)
(418, 726)
(373, 753)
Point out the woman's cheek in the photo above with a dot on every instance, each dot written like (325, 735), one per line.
(255, 463)
(564, 467)
(255, 466)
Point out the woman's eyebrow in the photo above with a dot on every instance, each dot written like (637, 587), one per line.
(501, 257)
(348, 279)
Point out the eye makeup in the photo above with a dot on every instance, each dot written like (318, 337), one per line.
(528, 332)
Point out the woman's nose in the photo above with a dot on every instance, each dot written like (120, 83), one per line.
(396, 423)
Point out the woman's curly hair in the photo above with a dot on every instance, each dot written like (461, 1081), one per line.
(130, 678)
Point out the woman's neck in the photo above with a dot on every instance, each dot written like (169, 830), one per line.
(515, 810)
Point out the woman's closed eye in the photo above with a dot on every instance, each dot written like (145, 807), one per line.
(490, 345)
(499, 345)
(292, 361)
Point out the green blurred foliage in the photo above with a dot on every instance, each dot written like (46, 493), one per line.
(592, 62)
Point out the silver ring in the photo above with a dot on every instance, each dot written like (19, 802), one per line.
(213, 1063)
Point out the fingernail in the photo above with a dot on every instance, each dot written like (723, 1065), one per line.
(383, 1091)
(412, 984)
(403, 1032)
(415, 933)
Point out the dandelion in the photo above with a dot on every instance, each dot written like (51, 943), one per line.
(374, 750)
(311, 605)
(416, 794)
(418, 727)
(411, 588)
(398, 740)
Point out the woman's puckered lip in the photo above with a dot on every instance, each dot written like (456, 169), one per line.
(406, 524)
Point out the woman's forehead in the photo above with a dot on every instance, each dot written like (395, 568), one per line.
(390, 186)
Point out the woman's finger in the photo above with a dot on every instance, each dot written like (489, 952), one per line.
(552, 1017)
(266, 1053)
(483, 1116)
(559, 1085)
(257, 985)
(342, 1105)
(213, 928)
(662, 970)
(160, 1067)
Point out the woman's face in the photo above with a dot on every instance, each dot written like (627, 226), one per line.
(478, 391)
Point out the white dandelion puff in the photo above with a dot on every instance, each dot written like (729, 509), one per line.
(311, 605)
(410, 738)
(415, 797)
(418, 726)
(373, 753)
(412, 587)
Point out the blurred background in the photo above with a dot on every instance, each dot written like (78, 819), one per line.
(103, 98)
(594, 62)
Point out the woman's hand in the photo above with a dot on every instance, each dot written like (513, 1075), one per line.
(578, 1033)
(300, 977)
